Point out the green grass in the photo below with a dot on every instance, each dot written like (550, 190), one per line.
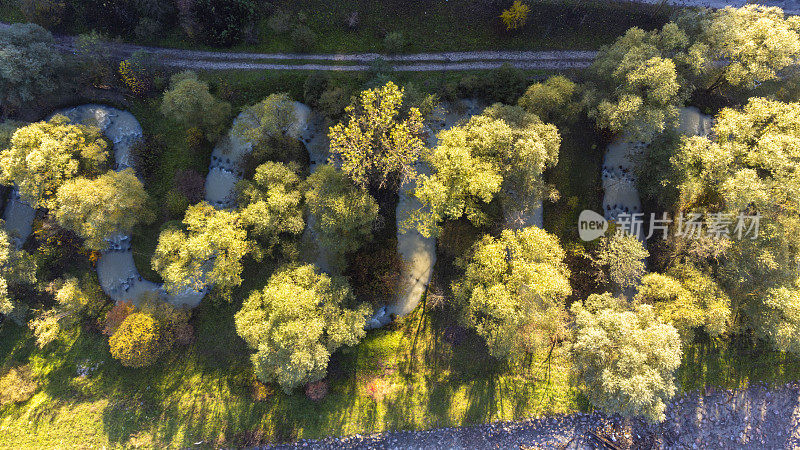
(202, 393)
(577, 178)
(454, 25)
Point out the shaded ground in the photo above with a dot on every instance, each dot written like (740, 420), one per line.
(749, 418)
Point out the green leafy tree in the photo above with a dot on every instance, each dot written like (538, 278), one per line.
(271, 207)
(76, 300)
(270, 120)
(502, 151)
(208, 252)
(377, 144)
(688, 299)
(514, 289)
(554, 101)
(95, 58)
(641, 79)
(44, 155)
(17, 269)
(627, 358)
(137, 341)
(188, 102)
(343, 213)
(97, 208)
(296, 322)
(622, 258)
(29, 65)
(749, 167)
(748, 45)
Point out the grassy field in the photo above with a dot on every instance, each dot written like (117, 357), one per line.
(454, 25)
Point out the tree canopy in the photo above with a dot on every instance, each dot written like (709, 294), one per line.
(188, 102)
(502, 151)
(271, 206)
(29, 65)
(296, 322)
(97, 208)
(377, 143)
(513, 291)
(17, 268)
(748, 167)
(627, 357)
(44, 155)
(208, 252)
(622, 259)
(271, 118)
(344, 214)
(554, 100)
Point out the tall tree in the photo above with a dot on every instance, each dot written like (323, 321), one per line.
(688, 299)
(344, 214)
(378, 144)
(44, 155)
(627, 358)
(75, 300)
(622, 259)
(208, 252)
(502, 151)
(514, 289)
(641, 79)
(95, 209)
(29, 65)
(296, 322)
(271, 206)
(188, 102)
(746, 178)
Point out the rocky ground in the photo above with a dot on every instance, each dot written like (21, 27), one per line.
(755, 417)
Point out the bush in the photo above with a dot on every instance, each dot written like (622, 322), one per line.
(394, 42)
(116, 315)
(146, 156)
(189, 102)
(17, 385)
(280, 22)
(137, 341)
(375, 274)
(191, 184)
(95, 58)
(303, 38)
(516, 16)
(333, 101)
(47, 13)
(222, 22)
(317, 390)
(313, 87)
(175, 204)
(138, 73)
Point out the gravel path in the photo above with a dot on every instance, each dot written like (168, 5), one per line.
(755, 417)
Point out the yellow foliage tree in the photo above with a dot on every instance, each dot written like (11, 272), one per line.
(515, 16)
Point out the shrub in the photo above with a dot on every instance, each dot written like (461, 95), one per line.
(313, 87)
(148, 29)
(47, 13)
(553, 101)
(394, 42)
(261, 391)
(138, 73)
(375, 274)
(175, 204)
(191, 184)
(333, 101)
(17, 385)
(280, 22)
(516, 16)
(317, 390)
(137, 343)
(303, 38)
(222, 22)
(116, 315)
(95, 58)
(146, 155)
